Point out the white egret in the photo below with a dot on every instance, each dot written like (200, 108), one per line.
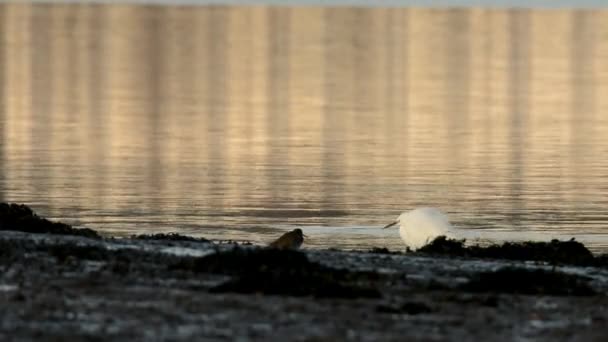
(422, 225)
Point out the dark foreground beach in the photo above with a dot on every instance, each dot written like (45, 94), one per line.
(60, 283)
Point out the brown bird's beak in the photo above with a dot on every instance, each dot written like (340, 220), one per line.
(390, 225)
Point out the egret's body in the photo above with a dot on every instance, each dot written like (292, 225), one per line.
(420, 226)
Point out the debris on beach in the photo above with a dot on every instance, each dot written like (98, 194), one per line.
(167, 237)
(383, 250)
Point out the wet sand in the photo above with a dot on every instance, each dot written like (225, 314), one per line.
(73, 287)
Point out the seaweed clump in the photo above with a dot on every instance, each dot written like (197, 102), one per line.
(383, 250)
(441, 245)
(168, 237)
(20, 217)
(529, 281)
(279, 272)
(555, 252)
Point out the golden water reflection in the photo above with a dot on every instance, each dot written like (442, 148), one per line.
(234, 121)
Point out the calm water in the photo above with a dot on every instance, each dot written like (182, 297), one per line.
(242, 122)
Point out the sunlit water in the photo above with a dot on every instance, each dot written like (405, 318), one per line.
(243, 122)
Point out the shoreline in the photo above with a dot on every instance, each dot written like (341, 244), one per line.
(86, 287)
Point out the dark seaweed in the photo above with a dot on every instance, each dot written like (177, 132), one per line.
(20, 217)
(555, 252)
(383, 250)
(280, 272)
(168, 237)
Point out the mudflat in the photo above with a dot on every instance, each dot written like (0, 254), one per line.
(55, 285)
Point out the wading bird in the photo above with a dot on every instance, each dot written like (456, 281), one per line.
(290, 240)
(420, 226)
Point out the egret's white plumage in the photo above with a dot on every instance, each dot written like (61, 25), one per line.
(420, 226)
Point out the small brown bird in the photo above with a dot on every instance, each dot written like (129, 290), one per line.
(289, 240)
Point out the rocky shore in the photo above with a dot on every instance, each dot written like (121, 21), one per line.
(62, 283)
